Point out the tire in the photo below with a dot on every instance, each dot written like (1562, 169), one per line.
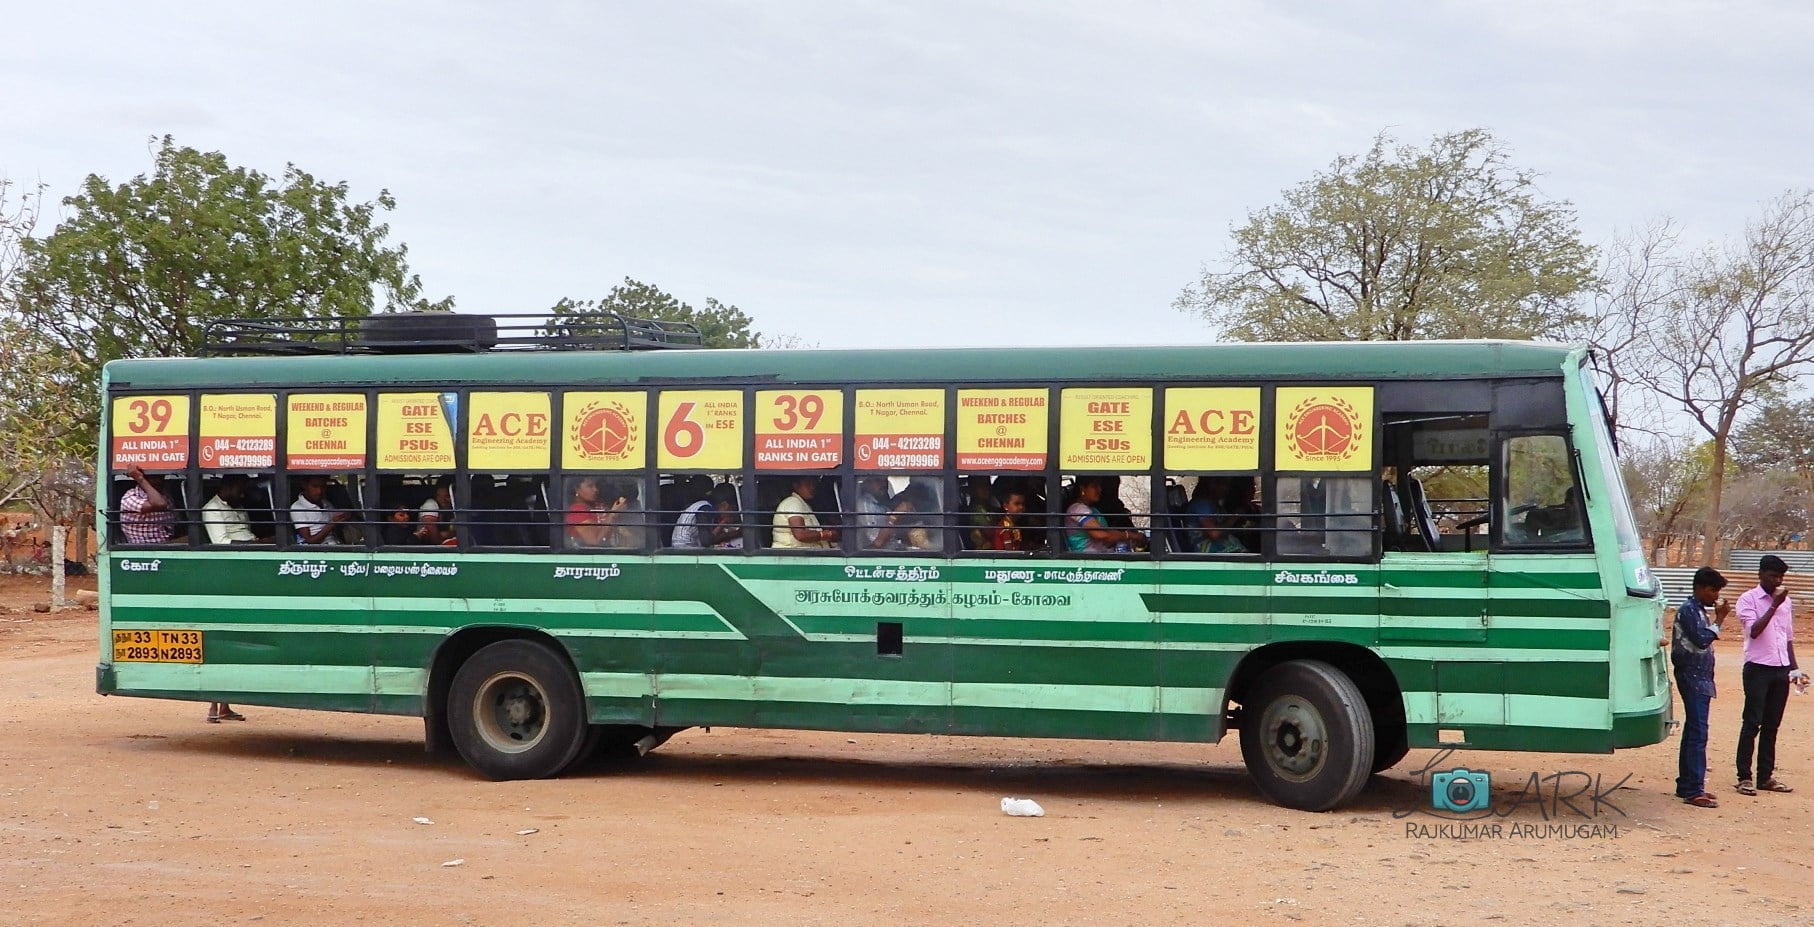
(1306, 736)
(1390, 741)
(516, 711)
(1387, 754)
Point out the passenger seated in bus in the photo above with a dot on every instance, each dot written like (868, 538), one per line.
(710, 522)
(728, 533)
(1205, 504)
(675, 499)
(315, 519)
(1036, 523)
(434, 518)
(145, 511)
(1008, 533)
(913, 513)
(1086, 531)
(796, 526)
(1114, 511)
(1212, 538)
(226, 522)
(981, 513)
(586, 519)
(1242, 511)
(875, 509)
(625, 515)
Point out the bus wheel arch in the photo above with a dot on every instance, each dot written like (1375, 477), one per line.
(529, 670)
(1316, 696)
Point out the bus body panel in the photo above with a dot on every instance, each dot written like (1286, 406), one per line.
(1507, 651)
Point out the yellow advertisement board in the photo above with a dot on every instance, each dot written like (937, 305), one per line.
(413, 433)
(509, 432)
(799, 429)
(1324, 428)
(1212, 428)
(1003, 429)
(238, 431)
(325, 431)
(900, 429)
(604, 431)
(701, 430)
(1105, 428)
(151, 432)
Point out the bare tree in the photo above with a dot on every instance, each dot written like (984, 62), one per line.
(1640, 277)
(18, 217)
(1733, 325)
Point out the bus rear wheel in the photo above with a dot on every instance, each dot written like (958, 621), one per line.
(516, 711)
(1306, 736)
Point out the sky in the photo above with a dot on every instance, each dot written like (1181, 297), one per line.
(867, 174)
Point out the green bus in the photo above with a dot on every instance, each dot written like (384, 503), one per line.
(545, 548)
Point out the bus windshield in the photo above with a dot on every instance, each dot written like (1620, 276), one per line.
(1638, 579)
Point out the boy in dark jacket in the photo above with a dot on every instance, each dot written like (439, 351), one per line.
(1691, 650)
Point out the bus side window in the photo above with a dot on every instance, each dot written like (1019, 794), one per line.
(238, 509)
(508, 510)
(324, 509)
(133, 522)
(700, 511)
(1326, 516)
(898, 512)
(604, 512)
(811, 500)
(1095, 518)
(417, 510)
(1542, 501)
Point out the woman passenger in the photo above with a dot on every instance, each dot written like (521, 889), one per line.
(1085, 529)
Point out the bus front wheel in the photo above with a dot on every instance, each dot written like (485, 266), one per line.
(1306, 735)
(516, 711)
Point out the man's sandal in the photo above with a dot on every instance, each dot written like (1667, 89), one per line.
(1772, 784)
(1746, 788)
(1703, 800)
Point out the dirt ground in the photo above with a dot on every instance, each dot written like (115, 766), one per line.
(128, 811)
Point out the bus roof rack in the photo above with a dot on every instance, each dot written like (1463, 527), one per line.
(444, 333)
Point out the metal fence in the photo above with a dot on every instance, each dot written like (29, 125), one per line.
(1745, 561)
(1677, 583)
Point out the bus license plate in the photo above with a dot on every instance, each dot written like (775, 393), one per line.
(157, 646)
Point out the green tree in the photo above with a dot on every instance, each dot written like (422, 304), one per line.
(1404, 243)
(140, 268)
(720, 325)
(1779, 435)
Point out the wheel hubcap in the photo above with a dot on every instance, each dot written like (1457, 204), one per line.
(1296, 738)
(511, 712)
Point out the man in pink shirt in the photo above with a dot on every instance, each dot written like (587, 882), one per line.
(1769, 621)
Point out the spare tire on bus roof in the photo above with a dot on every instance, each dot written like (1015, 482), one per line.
(427, 332)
